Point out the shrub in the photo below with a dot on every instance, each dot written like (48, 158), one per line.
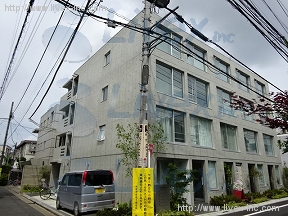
(233, 204)
(271, 193)
(281, 195)
(221, 200)
(250, 196)
(30, 189)
(3, 179)
(175, 213)
(124, 209)
(259, 200)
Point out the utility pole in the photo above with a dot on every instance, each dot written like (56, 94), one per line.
(6, 135)
(142, 161)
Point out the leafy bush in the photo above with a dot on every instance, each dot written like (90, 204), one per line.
(175, 213)
(221, 200)
(6, 169)
(250, 196)
(281, 195)
(271, 193)
(45, 173)
(30, 189)
(3, 179)
(259, 200)
(124, 209)
(233, 204)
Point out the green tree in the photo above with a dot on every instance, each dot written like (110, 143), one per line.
(129, 142)
(178, 180)
(45, 173)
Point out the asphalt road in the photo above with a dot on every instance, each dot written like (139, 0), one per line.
(275, 209)
(13, 204)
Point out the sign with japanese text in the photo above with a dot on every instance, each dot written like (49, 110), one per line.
(143, 192)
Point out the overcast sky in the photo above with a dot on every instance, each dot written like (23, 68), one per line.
(211, 17)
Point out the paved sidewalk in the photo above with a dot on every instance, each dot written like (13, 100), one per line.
(49, 204)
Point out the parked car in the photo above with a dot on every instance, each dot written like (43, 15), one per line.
(87, 190)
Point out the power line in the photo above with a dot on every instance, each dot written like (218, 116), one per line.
(65, 53)
(2, 89)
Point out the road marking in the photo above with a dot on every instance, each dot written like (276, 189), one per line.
(270, 209)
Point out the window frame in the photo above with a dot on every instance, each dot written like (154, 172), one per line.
(101, 134)
(240, 74)
(198, 139)
(219, 74)
(261, 91)
(195, 90)
(265, 136)
(191, 58)
(107, 58)
(171, 119)
(169, 35)
(223, 138)
(261, 179)
(214, 178)
(222, 109)
(255, 138)
(172, 76)
(105, 93)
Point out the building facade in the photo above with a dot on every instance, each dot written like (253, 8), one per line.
(26, 149)
(186, 95)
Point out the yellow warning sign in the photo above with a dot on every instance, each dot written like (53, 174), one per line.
(143, 192)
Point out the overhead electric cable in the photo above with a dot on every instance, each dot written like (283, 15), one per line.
(6, 76)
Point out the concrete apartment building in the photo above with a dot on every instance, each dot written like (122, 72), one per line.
(26, 149)
(7, 152)
(190, 100)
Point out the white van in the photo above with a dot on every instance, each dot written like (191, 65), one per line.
(88, 190)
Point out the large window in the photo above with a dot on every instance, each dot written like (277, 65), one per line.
(169, 80)
(244, 79)
(260, 88)
(194, 59)
(171, 42)
(172, 123)
(261, 177)
(268, 144)
(200, 130)
(224, 70)
(228, 135)
(197, 91)
(250, 138)
(246, 115)
(212, 177)
(277, 173)
(224, 99)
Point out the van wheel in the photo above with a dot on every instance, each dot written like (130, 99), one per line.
(76, 209)
(58, 206)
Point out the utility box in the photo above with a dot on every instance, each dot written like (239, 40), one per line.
(162, 197)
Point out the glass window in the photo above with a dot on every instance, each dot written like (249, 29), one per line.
(75, 180)
(194, 59)
(222, 74)
(243, 78)
(261, 177)
(101, 135)
(169, 80)
(171, 46)
(250, 138)
(260, 88)
(200, 130)
(105, 93)
(172, 123)
(107, 58)
(65, 180)
(228, 134)
(212, 178)
(268, 144)
(246, 115)
(224, 99)
(197, 91)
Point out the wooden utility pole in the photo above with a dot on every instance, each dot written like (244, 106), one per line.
(6, 135)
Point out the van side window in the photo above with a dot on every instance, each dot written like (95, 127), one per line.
(75, 180)
(64, 180)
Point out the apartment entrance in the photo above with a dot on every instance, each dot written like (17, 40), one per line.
(55, 170)
(251, 169)
(198, 182)
(271, 177)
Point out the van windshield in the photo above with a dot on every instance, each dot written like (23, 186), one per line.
(97, 178)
